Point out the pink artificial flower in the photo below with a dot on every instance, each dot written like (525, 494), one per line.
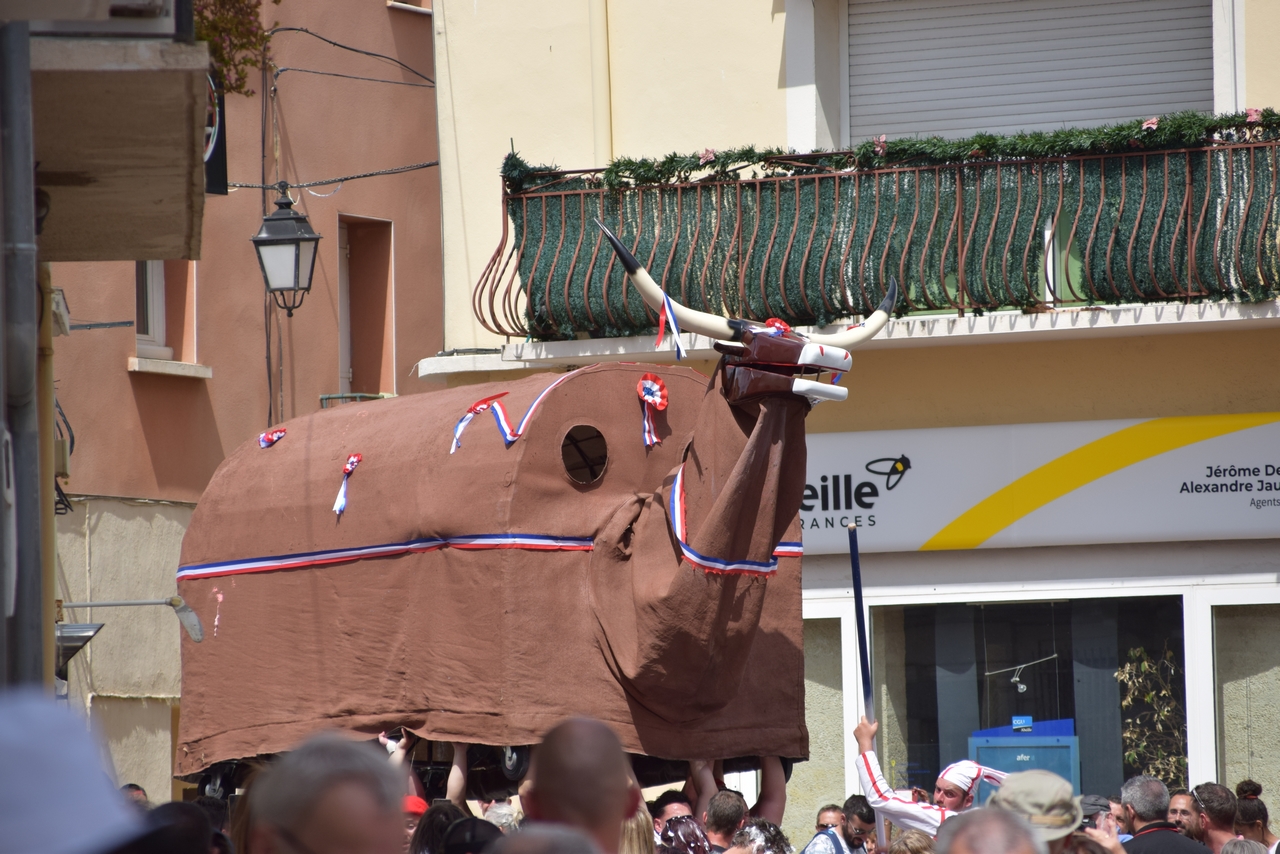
(881, 144)
(708, 154)
(1253, 115)
(1151, 123)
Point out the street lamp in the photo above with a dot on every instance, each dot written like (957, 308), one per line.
(286, 246)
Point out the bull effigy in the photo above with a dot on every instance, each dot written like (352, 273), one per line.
(625, 545)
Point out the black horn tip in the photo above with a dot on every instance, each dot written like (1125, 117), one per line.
(624, 255)
(890, 301)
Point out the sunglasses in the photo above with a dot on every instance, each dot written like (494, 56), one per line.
(827, 826)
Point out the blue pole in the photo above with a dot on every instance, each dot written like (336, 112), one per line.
(864, 660)
(864, 651)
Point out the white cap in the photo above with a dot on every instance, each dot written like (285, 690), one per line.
(55, 795)
(966, 774)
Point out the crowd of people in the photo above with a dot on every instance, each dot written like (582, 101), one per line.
(1037, 812)
(335, 795)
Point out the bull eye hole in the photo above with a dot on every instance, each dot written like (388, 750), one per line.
(584, 453)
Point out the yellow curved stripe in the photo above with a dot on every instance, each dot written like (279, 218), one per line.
(1084, 465)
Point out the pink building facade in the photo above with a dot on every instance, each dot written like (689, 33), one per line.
(210, 362)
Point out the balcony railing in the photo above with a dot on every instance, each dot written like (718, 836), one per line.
(1182, 225)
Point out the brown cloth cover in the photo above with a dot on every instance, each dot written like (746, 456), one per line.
(496, 646)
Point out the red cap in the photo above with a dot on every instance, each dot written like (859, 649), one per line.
(414, 805)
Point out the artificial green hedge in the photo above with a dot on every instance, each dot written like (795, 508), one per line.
(959, 223)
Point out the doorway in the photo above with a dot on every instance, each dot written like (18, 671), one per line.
(366, 329)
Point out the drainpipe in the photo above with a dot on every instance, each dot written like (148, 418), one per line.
(17, 177)
(601, 92)
(48, 531)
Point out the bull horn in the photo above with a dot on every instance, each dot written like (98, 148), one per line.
(866, 330)
(690, 320)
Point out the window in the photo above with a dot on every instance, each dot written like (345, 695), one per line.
(366, 329)
(149, 324)
(960, 678)
(957, 67)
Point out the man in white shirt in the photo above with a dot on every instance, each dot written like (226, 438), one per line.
(953, 792)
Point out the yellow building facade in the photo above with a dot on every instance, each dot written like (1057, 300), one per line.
(1041, 533)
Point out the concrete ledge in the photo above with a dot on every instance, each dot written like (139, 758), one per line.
(637, 348)
(999, 327)
(58, 53)
(409, 7)
(173, 369)
(470, 363)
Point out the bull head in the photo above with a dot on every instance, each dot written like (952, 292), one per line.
(764, 359)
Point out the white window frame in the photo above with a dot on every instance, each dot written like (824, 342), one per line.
(151, 344)
(1200, 594)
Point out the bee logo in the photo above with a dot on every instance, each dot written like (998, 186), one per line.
(890, 468)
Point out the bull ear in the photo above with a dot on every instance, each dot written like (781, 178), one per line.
(690, 320)
(867, 330)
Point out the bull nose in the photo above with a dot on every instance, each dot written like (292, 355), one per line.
(824, 356)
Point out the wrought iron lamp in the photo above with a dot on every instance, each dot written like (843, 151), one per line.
(286, 246)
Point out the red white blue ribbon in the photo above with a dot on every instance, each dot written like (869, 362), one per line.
(676, 510)
(667, 316)
(472, 411)
(653, 397)
(340, 504)
(302, 560)
(509, 433)
(470, 542)
(269, 438)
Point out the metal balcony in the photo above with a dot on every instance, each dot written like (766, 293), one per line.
(813, 249)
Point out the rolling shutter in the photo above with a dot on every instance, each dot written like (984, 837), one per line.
(956, 67)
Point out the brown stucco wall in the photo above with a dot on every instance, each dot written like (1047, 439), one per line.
(147, 435)
(147, 443)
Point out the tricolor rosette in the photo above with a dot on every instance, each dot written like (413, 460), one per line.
(653, 398)
(340, 504)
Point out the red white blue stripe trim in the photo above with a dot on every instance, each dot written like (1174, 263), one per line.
(472, 410)
(509, 433)
(301, 560)
(535, 542)
(676, 510)
(647, 429)
(667, 316)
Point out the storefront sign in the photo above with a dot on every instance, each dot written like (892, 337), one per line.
(1209, 477)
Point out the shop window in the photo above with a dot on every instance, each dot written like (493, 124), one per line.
(1246, 641)
(954, 677)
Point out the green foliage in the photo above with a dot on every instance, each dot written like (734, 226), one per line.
(1187, 129)
(1155, 734)
(236, 38)
(520, 176)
